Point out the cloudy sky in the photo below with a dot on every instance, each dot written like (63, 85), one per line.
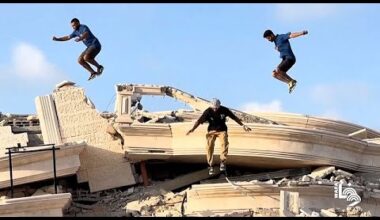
(209, 50)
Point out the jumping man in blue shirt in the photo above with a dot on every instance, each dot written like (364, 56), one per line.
(282, 44)
(87, 57)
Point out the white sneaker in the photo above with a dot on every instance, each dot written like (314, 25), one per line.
(292, 84)
(211, 171)
(222, 166)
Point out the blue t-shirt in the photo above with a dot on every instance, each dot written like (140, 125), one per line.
(283, 45)
(91, 39)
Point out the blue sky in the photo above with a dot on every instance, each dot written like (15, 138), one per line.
(209, 50)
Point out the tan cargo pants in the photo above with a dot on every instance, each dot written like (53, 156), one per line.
(223, 138)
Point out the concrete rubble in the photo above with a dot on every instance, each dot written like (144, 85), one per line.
(136, 163)
(140, 201)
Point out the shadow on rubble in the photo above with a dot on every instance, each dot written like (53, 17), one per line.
(159, 171)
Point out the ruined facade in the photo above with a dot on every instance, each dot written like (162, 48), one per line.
(103, 149)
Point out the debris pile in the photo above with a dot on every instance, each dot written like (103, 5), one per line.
(153, 201)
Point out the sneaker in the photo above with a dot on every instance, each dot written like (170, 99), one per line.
(292, 84)
(93, 75)
(100, 70)
(222, 167)
(211, 171)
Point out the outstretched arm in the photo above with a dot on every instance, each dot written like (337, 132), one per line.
(201, 119)
(297, 34)
(65, 38)
(238, 120)
(197, 123)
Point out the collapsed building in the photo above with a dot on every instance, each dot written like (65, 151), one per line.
(289, 165)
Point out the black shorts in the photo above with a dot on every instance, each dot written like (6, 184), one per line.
(92, 51)
(286, 64)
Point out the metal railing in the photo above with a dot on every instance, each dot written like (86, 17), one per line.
(24, 149)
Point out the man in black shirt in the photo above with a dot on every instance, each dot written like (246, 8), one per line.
(216, 117)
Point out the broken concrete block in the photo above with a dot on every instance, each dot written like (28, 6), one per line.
(153, 201)
(352, 182)
(354, 211)
(331, 210)
(133, 206)
(366, 214)
(343, 173)
(40, 192)
(322, 172)
(32, 118)
(315, 214)
(302, 215)
(2, 198)
(289, 201)
(303, 183)
(282, 182)
(339, 177)
(327, 213)
(130, 190)
(306, 212)
(343, 181)
(146, 211)
(63, 84)
(269, 182)
(306, 178)
(264, 212)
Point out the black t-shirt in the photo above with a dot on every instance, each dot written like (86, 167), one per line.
(217, 119)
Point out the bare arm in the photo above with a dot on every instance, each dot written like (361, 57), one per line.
(297, 34)
(65, 38)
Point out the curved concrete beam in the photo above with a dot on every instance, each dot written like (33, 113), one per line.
(270, 146)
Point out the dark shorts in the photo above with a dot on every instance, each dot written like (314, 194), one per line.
(286, 64)
(92, 51)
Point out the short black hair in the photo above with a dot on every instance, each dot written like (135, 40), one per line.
(268, 33)
(74, 20)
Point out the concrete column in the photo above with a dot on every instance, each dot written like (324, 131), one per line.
(47, 115)
(289, 203)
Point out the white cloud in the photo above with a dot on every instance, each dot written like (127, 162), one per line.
(274, 106)
(29, 64)
(340, 94)
(304, 12)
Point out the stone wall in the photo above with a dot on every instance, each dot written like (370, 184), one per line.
(103, 157)
(8, 139)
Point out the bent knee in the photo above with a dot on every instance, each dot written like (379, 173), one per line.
(87, 57)
(275, 74)
(80, 60)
